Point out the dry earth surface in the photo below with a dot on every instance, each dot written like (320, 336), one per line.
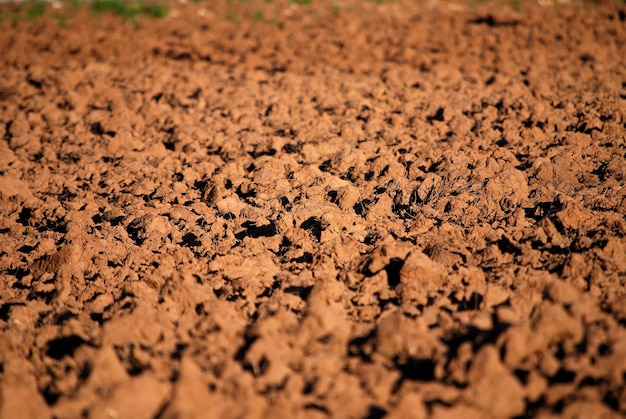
(344, 210)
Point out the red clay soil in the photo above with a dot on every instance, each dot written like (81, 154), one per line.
(367, 211)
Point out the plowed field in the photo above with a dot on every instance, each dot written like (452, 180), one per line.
(273, 210)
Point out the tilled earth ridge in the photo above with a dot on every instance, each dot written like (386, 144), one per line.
(390, 211)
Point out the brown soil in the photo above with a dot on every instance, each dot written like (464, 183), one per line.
(388, 211)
